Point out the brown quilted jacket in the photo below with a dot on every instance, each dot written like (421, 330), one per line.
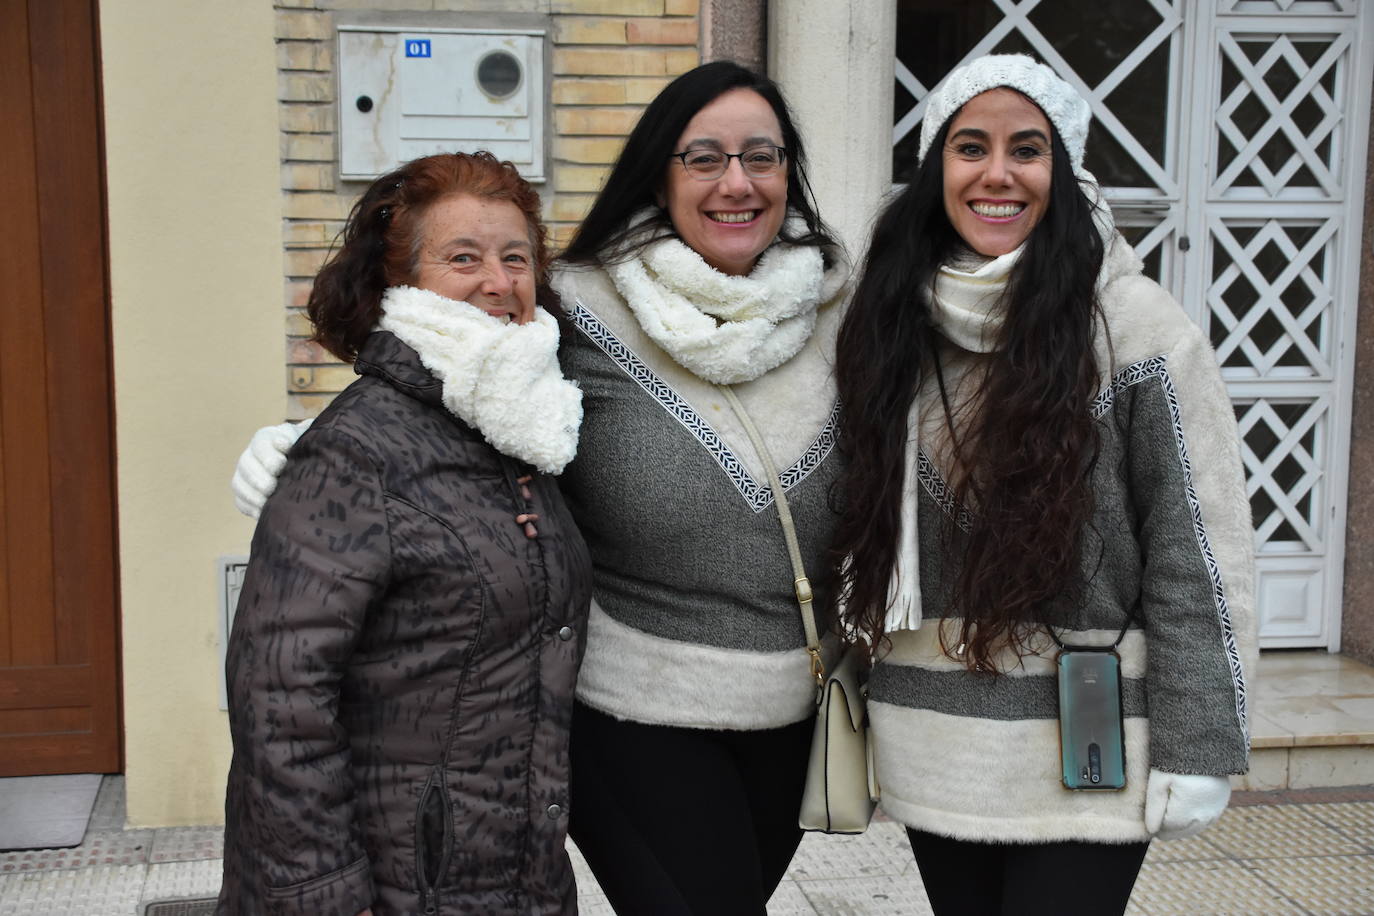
(401, 669)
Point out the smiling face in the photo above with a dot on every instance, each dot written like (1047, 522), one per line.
(477, 250)
(996, 161)
(729, 220)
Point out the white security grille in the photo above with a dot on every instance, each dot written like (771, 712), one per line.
(1113, 84)
(1280, 118)
(1305, 7)
(1282, 137)
(1229, 136)
(1271, 298)
(1284, 462)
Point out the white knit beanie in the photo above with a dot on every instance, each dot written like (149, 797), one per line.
(1066, 109)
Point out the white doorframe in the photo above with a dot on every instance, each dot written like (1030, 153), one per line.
(1307, 407)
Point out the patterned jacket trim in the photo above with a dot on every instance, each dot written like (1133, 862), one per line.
(1155, 367)
(758, 495)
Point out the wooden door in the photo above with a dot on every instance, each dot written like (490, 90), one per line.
(59, 681)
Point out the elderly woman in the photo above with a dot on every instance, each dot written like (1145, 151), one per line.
(1069, 476)
(402, 662)
(701, 264)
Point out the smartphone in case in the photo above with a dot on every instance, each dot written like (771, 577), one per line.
(1091, 733)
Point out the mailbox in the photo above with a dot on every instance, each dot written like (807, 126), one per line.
(405, 93)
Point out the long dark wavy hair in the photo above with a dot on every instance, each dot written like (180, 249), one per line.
(1023, 453)
(381, 241)
(606, 236)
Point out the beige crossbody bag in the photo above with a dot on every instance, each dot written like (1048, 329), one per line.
(841, 790)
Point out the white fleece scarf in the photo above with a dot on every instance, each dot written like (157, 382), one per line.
(502, 379)
(722, 328)
(966, 307)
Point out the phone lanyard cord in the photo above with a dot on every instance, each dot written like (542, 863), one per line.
(1130, 619)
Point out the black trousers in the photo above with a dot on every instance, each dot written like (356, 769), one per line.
(964, 878)
(685, 821)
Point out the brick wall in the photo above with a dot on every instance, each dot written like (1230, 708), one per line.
(610, 58)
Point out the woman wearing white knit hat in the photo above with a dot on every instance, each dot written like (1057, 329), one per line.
(1072, 549)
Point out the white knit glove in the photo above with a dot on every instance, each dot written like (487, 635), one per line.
(1179, 805)
(255, 476)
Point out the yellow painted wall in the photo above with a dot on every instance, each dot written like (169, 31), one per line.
(196, 265)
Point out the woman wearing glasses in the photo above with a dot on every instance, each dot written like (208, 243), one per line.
(702, 263)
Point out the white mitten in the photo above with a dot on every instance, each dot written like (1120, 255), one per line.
(1179, 805)
(255, 476)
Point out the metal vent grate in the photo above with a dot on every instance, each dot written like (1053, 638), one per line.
(229, 572)
(200, 906)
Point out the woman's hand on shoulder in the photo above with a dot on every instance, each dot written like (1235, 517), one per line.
(255, 475)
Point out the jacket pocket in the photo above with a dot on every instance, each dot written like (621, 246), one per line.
(433, 840)
(347, 890)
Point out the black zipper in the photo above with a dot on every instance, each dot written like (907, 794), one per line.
(428, 885)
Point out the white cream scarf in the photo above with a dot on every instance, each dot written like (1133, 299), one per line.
(966, 307)
(502, 379)
(722, 328)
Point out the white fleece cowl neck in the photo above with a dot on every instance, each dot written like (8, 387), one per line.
(727, 329)
(501, 379)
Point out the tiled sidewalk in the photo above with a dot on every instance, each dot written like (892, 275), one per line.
(114, 872)
(1296, 852)
(1308, 852)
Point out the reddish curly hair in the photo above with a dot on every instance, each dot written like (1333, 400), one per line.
(381, 241)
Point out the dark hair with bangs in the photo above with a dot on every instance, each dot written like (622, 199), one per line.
(606, 236)
(381, 241)
(1023, 456)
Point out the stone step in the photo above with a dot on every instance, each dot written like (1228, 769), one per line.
(1312, 724)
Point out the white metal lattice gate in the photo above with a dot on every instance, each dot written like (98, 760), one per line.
(1230, 136)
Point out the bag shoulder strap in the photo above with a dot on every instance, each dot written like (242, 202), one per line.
(801, 585)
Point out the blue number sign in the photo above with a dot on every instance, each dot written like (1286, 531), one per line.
(417, 47)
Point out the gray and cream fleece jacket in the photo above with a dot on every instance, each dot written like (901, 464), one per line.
(693, 620)
(977, 757)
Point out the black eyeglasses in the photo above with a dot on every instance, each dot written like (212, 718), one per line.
(710, 164)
